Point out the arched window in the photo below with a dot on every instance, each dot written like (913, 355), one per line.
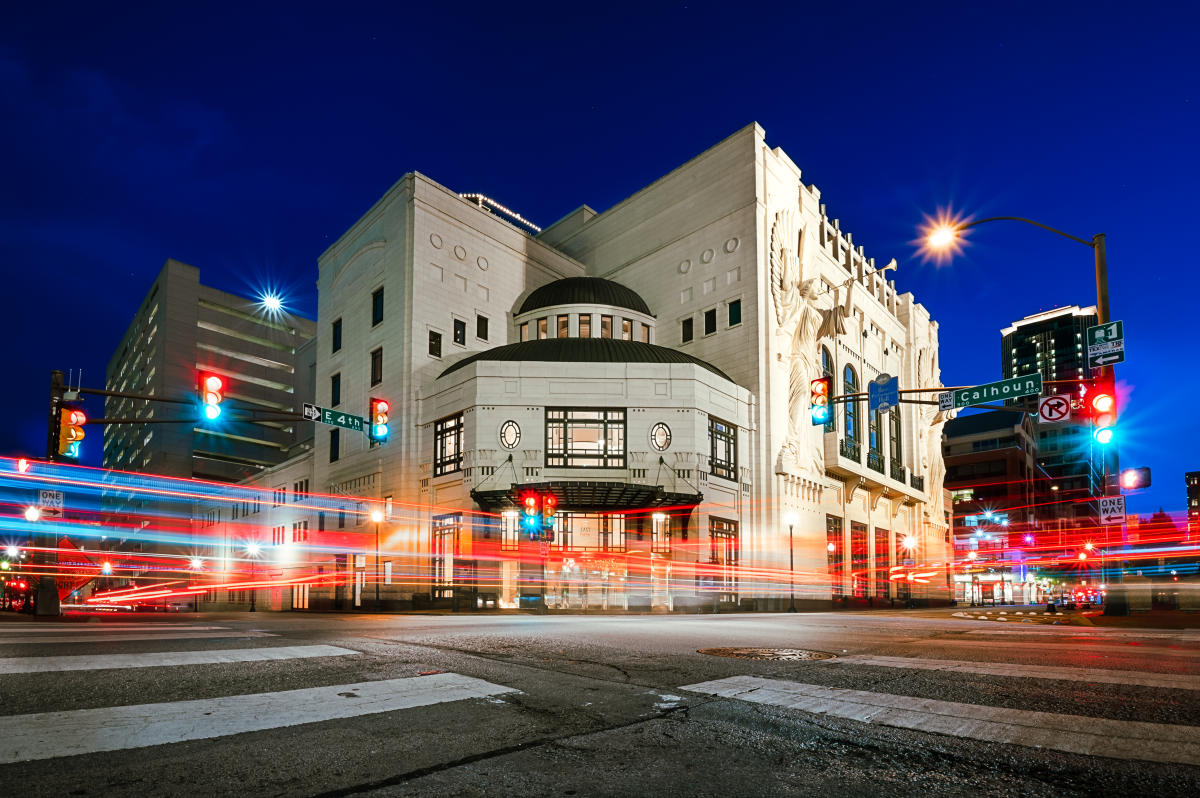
(850, 414)
(827, 371)
(897, 453)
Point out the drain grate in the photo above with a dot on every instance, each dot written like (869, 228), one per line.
(767, 653)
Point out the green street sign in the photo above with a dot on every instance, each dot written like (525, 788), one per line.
(339, 419)
(1029, 384)
(334, 418)
(1106, 344)
(1105, 333)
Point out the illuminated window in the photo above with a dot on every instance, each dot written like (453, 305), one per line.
(850, 406)
(590, 532)
(525, 331)
(585, 325)
(542, 329)
(833, 551)
(660, 536)
(626, 330)
(460, 332)
(645, 333)
(583, 438)
(563, 325)
(606, 324)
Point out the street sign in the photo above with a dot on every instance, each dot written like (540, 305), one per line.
(1112, 509)
(883, 393)
(51, 502)
(1106, 344)
(334, 418)
(1026, 385)
(946, 400)
(1052, 409)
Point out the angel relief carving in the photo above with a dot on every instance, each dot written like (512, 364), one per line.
(785, 265)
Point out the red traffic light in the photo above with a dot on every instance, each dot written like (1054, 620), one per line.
(1135, 478)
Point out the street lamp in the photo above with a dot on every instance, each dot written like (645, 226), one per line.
(252, 550)
(377, 517)
(790, 520)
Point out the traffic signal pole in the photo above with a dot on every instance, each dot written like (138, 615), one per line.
(46, 599)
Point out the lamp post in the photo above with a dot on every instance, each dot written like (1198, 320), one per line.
(790, 520)
(377, 517)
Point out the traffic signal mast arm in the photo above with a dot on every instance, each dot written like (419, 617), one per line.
(845, 397)
(255, 415)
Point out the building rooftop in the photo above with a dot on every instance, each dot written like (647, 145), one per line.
(976, 423)
(584, 291)
(585, 350)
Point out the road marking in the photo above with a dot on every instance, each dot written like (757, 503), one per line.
(122, 637)
(1099, 675)
(1092, 633)
(59, 628)
(1074, 646)
(1119, 739)
(106, 661)
(47, 735)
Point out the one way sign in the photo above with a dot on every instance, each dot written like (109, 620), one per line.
(1112, 509)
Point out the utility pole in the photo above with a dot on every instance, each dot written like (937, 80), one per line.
(44, 556)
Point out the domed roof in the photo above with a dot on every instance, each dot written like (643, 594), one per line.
(584, 291)
(585, 350)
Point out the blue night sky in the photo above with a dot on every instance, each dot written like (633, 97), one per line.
(245, 141)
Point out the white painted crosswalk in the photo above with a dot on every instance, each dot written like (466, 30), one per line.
(1151, 742)
(207, 657)
(1017, 671)
(123, 637)
(53, 734)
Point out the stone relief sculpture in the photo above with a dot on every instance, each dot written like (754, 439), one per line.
(785, 265)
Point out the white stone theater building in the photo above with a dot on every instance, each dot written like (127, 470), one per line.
(649, 366)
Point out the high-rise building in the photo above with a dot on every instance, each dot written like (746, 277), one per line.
(1054, 344)
(1192, 479)
(183, 328)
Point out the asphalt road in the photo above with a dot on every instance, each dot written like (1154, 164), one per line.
(399, 705)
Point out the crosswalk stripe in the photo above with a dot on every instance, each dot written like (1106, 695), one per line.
(1099, 675)
(106, 661)
(1119, 739)
(47, 735)
(121, 637)
(59, 628)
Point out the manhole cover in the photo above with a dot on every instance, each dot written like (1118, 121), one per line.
(767, 653)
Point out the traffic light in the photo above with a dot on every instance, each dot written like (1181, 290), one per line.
(1135, 478)
(1103, 404)
(531, 514)
(379, 419)
(819, 391)
(212, 391)
(70, 430)
(549, 508)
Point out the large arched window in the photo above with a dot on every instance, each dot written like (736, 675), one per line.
(827, 371)
(850, 414)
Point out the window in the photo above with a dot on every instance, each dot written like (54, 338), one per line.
(335, 334)
(626, 330)
(685, 333)
(645, 333)
(377, 306)
(873, 434)
(279, 496)
(335, 447)
(510, 534)
(860, 560)
(525, 331)
(585, 325)
(722, 449)
(377, 366)
(894, 436)
(299, 488)
(590, 531)
(582, 438)
(850, 411)
(341, 515)
(563, 325)
(447, 445)
(735, 313)
(460, 332)
(606, 326)
(710, 321)
(833, 550)
(481, 327)
(335, 389)
(299, 532)
(445, 534)
(882, 562)
(660, 534)
(723, 552)
(435, 344)
(542, 328)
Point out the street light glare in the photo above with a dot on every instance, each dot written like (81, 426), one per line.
(790, 519)
(253, 549)
(376, 516)
(942, 237)
(32, 513)
(271, 302)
